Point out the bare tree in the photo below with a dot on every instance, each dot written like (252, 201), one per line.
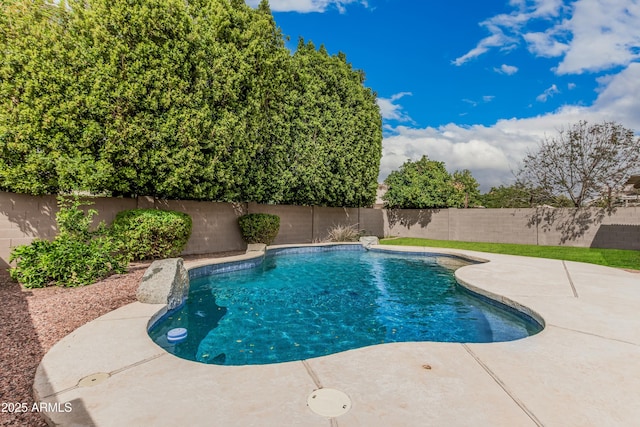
(585, 163)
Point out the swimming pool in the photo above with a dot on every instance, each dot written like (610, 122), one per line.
(300, 303)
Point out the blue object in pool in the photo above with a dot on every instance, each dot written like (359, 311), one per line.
(303, 303)
(176, 335)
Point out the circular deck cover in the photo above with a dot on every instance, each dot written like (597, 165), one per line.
(329, 402)
(93, 379)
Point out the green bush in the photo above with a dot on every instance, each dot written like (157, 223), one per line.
(151, 233)
(77, 256)
(259, 228)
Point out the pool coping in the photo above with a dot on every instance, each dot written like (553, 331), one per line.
(579, 370)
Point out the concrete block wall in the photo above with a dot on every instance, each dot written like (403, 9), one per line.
(326, 218)
(215, 225)
(296, 222)
(568, 227)
(619, 230)
(22, 219)
(598, 228)
(108, 207)
(215, 229)
(421, 223)
(371, 221)
(491, 225)
(307, 224)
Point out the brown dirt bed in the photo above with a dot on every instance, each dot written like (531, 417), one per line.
(33, 320)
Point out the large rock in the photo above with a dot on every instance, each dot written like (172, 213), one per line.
(166, 281)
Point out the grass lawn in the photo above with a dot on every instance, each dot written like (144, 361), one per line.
(610, 257)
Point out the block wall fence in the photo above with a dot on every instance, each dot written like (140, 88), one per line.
(215, 229)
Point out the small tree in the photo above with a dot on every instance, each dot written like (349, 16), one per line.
(422, 184)
(584, 163)
(468, 188)
(259, 227)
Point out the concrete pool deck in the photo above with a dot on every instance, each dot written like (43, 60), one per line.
(582, 370)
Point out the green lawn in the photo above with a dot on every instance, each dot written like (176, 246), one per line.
(609, 257)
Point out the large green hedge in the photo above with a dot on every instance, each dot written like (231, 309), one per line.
(151, 233)
(176, 99)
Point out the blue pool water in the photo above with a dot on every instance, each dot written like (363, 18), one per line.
(296, 306)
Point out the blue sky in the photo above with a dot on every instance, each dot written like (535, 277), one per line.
(478, 83)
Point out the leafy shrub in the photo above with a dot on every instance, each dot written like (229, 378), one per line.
(77, 255)
(151, 233)
(259, 227)
(344, 233)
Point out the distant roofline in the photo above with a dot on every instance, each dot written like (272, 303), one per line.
(633, 180)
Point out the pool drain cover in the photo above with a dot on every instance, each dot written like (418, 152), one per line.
(329, 402)
(93, 379)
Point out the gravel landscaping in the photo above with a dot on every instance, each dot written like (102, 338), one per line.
(33, 320)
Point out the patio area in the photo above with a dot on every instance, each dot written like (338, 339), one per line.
(580, 370)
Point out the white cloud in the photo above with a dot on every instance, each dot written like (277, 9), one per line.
(306, 6)
(509, 70)
(497, 39)
(587, 35)
(547, 8)
(392, 111)
(605, 34)
(493, 152)
(488, 98)
(548, 93)
(489, 152)
(618, 97)
(545, 43)
(506, 29)
(571, 86)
